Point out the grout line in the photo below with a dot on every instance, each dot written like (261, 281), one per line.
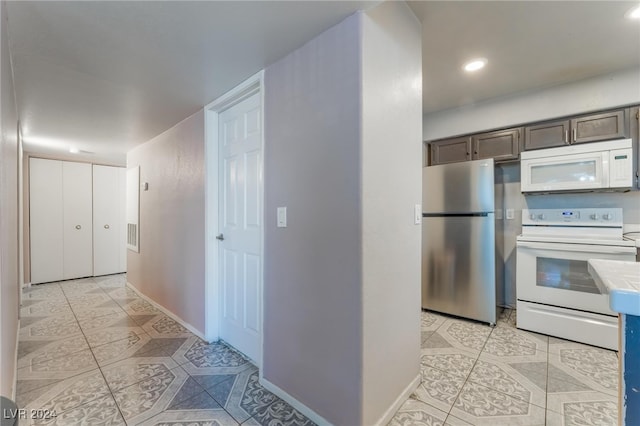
(228, 396)
(85, 372)
(470, 371)
(546, 391)
(99, 368)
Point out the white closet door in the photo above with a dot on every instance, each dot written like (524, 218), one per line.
(45, 219)
(122, 219)
(77, 220)
(106, 223)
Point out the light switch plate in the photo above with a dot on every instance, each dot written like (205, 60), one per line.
(281, 217)
(510, 214)
(417, 214)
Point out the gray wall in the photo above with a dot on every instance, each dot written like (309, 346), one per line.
(9, 279)
(608, 91)
(391, 185)
(342, 152)
(312, 272)
(170, 266)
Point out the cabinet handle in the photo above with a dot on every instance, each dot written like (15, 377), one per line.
(566, 136)
(78, 227)
(573, 134)
(106, 227)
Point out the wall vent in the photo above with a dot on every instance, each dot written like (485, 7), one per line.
(133, 209)
(132, 234)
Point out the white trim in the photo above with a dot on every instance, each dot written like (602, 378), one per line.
(14, 385)
(168, 313)
(312, 415)
(402, 398)
(254, 84)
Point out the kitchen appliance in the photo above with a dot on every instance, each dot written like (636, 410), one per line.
(458, 240)
(555, 292)
(582, 167)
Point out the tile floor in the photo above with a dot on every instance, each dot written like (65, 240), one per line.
(473, 374)
(97, 354)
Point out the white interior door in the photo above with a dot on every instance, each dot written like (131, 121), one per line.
(106, 223)
(240, 223)
(45, 220)
(77, 220)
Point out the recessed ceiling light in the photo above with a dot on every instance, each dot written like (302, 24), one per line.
(475, 64)
(74, 150)
(633, 13)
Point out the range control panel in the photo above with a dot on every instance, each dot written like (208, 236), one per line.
(609, 217)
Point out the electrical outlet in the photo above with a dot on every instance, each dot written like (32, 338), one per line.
(510, 214)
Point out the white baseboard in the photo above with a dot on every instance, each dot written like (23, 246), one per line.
(14, 384)
(321, 421)
(402, 398)
(312, 415)
(167, 312)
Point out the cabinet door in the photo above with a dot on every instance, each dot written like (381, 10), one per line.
(502, 145)
(450, 150)
(78, 244)
(106, 223)
(45, 220)
(599, 127)
(546, 135)
(634, 125)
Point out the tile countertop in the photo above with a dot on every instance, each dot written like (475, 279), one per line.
(621, 280)
(635, 239)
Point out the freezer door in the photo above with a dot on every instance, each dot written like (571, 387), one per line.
(458, 187)
(458, 266)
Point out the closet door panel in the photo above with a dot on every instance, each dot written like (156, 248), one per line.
(45, 219)
(77, 220)
(106, 226)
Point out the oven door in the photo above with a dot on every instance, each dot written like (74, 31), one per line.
(556, 274)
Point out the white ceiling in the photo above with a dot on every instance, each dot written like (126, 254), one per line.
(105, 76)
(529, 45)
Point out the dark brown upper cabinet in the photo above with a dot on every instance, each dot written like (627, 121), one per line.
(503, 145)
(600, 127)
(450, 150)
(587, 128)
(547, 135)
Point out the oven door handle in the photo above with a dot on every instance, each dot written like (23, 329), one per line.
(583, 248)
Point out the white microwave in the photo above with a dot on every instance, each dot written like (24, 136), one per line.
(584, 167)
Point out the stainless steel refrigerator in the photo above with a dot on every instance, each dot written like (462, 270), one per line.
(459, 240)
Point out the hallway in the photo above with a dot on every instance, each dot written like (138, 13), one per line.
(95, 353)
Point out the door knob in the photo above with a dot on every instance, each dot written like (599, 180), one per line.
(106, 226)
(220, 237)
(78, 227)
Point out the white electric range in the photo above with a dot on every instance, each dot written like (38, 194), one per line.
(555, 292)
